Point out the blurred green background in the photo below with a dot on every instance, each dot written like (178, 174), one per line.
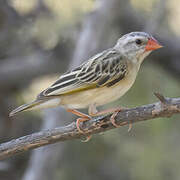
(40, 39)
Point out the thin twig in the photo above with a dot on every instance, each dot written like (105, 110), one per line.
(93, 126)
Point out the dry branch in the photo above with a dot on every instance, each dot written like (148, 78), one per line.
(165, 108)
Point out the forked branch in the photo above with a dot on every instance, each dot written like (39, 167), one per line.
(165, 108)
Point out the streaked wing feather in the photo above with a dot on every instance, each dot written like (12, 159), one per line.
(104, 69)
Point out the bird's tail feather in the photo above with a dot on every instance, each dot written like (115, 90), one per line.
(25, 107)
(37, 104)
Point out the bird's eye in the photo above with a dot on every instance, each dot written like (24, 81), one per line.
(138, 41)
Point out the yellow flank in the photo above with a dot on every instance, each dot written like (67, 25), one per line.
(84, 88)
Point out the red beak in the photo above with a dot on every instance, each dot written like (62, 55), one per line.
(152, 44)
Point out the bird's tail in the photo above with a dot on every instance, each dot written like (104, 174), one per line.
(37, 104)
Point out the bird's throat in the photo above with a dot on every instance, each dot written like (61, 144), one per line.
(142, 56)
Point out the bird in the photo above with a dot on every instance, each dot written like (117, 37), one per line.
(103, 78)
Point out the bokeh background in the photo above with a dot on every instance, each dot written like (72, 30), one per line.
(40, 39)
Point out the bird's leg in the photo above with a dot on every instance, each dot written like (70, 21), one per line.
(94, 112)
(83, 117)
(78, 113)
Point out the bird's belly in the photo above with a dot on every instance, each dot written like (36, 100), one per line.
(97, 96)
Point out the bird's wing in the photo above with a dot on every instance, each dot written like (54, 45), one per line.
(104, 69)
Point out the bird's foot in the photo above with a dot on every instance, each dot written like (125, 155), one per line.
(112, 118)
(82, 118)
(113, 121)
(130, 127)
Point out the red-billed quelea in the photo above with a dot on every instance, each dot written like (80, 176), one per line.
(103, 78)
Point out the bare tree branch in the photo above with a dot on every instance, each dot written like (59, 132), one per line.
(165, 108)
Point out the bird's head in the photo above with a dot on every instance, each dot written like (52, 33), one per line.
(137, 45)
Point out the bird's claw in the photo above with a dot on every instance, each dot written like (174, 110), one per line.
(130, 127)
(87, 139)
